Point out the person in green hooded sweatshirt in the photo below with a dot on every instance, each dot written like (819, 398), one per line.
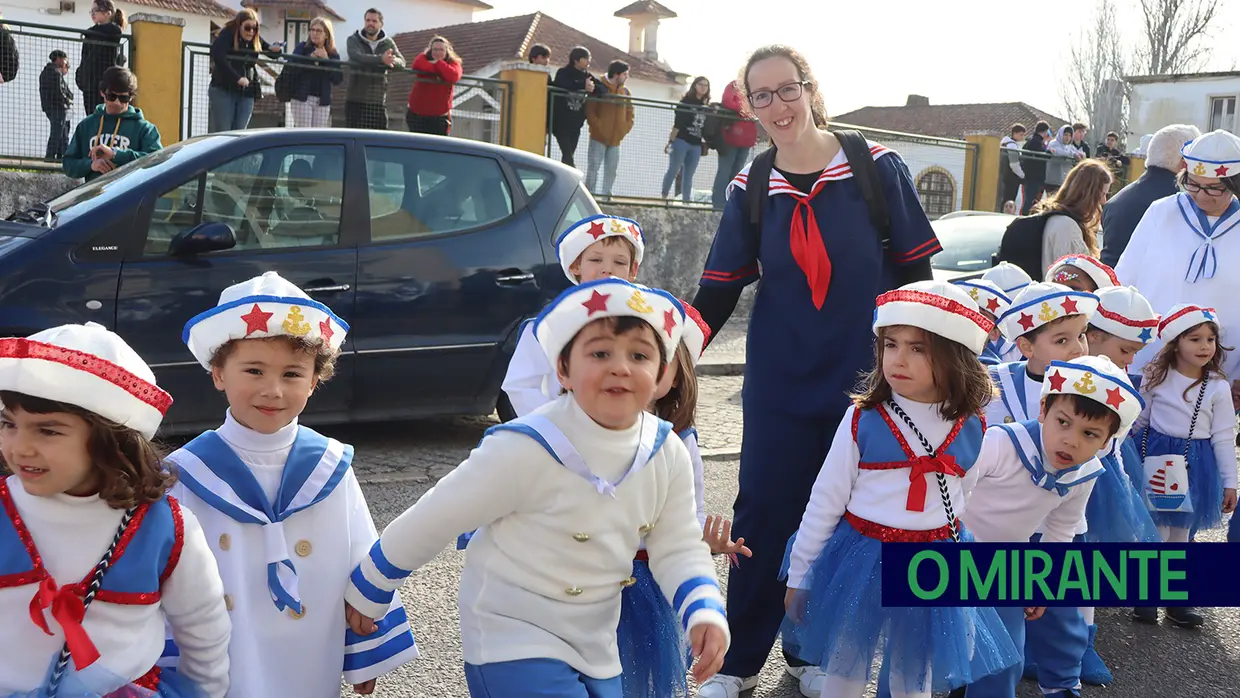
(115, 134)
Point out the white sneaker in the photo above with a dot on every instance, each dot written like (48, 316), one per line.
(724, 686)
(811, 679)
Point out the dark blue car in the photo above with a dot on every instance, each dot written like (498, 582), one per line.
(433, 249)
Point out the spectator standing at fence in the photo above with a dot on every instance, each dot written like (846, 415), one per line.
(1078, 138)
(1013, 175)
(56, 99)
(8, 54)
(610, 119)
(436, 72)
(1074, 213)
(116, 134)
(684, 144)
(234, 73)
(372, 54)
(739, 135)
(1064, 156)
(568, 113)
(1162, 162)
(318, 69)
(1034, 165)
(101, 49)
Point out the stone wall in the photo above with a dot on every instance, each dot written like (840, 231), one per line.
(21, 189)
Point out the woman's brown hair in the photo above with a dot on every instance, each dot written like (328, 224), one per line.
(450, 53)
(1156, 370)
(679, 406)
(1082, 195)
(243, 16)
(329, 43)
(118, 15)
(131, 470)
(691, 93)
(817, 107)
(961, 379)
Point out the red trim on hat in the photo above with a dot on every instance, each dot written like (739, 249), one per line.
(1116, 317)
(936, 301)
(693, 314)
(1086, 258)
(1181, 313)
(149, 393)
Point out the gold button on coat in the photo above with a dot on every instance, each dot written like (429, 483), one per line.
(297, 616)
(303, 548)
(573, 591)
(629, 582)
(581, 537)
(228, 602)
(225, 541)
(645, 528)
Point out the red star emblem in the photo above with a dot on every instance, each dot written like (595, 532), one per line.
(993, 304)
(1057, 381)
(325, 330)
(596, 230)
(597, 302)
(669, 321)
(256, 320)
(1026, 321)
(1069, 306)
(1114, 397)
(1220, 171)
(634, 231)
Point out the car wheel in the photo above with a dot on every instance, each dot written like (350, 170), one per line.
(503, 408)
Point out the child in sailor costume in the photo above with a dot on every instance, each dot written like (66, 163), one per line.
(561, 501)
(992, 302)
(588, 251)
(1010, 279)
(1081, 273)
(92, 562)
(898, 438)
(1036, 475)
(281, 506)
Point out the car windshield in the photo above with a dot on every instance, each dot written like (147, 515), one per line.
(969, 241)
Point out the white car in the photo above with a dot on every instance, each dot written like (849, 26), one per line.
(970, 240)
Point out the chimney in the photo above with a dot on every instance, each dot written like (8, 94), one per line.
(644, 17)
(917, 101)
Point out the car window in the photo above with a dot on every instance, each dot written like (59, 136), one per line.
(968, 243)
(581, 206)
(415, 193)
(277, 198)
(532, 181)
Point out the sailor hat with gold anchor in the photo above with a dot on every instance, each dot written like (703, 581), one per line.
(1040, 304)
(588, 231)
(1100, 380)
(265, 306)
(580, 305)
(1215, 155)
(987, 294)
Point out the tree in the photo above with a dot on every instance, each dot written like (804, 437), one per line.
(1175, 34)
(1093, 90)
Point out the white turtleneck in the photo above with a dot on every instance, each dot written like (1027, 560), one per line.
(264, 453)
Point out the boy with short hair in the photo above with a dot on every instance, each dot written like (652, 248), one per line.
(280, 504)
(116, 134)
(595, 248)
(56, 99)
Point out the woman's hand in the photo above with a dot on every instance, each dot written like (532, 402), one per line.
(320, 52)
(718, 535)
(358, 623)
(667, 149)
(243, 83)
(794, 604)
(705, 150)
(709, 644)
(1229, 500)
(364, 689)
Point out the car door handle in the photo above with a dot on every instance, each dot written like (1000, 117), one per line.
(327, 289)
(514, 277)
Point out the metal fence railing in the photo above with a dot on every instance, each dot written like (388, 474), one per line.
(480, 107)
(1025, 193)
(40, 105)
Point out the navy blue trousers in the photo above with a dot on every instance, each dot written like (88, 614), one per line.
(536, 678)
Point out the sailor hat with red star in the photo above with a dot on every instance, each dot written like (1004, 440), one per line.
(1215, 155)
(580, 305)
(265, 306)
(87, 366)
(1100, 380)
(1008, 277)
(696, 332)
(1102, 275)
(1184, 317)
(938, 307)
(987, 294)
(1125, 313)
(1044, 303)
(588, 231)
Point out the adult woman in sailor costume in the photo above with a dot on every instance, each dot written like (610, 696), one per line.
(814, 239)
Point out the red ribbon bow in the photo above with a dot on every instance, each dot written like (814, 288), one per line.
(942, 463)
(808, 249)
(68, 610)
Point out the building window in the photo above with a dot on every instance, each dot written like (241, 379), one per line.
(936, 191)
(1223, 113)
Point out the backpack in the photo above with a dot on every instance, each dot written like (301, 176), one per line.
(1022, 243)
(284, 83)
(857, 150)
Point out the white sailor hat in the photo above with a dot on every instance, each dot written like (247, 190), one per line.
(1008, 277)
(1099, 379)
(1040, 304)
(938, 307)
(696, 333)
(1216, 155)
(265, 306)
(1125, 313)
(987, 294)
(578, 306)
(1184, 317)
(87, 366)
(1102, 275)
(588, 231)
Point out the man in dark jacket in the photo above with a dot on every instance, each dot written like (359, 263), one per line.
(56, 99)
(1034, 165)
(568, 111)
(372, 54)
(8, 55)
(1122, 213)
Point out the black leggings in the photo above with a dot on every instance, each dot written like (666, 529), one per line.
(434, 125)
(568, 139)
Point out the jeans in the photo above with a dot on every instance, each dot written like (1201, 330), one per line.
(686, 155)
(609, 157)
(731, 161)
(227, 110)
(58, 138)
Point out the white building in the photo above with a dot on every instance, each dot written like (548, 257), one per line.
(1206, 100)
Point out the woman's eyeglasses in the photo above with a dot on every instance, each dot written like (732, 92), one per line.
(788, 93)
(1192, 188)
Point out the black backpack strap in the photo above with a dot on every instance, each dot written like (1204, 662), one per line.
(757, 184)
(861, 161)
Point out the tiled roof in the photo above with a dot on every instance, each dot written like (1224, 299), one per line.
(642, 7)
(314, 5)
(210, 8)
(477, 4)
(949, 120)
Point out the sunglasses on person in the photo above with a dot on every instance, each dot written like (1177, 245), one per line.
(1193, 187)
(114, 97)
(249, 27)
(788, 93)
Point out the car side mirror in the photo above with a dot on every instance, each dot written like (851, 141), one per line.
(210, 236)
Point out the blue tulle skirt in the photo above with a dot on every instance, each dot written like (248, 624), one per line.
(844, 623)
(1130, 452)
(653, 652)
(85, 685)
(1205, 483)
(1115, 512)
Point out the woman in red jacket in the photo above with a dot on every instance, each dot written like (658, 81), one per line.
(430, 101)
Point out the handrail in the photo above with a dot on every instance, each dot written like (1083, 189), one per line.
(11, 23)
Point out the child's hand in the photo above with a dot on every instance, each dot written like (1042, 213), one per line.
(794, 604)
(364, 689)
(718, 534)
(360, 624)
(709, 645)
(1229, 500)
(1034, 612)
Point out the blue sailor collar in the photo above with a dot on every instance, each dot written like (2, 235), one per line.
(1026, 438)
(1012, 378)
(1204, 262)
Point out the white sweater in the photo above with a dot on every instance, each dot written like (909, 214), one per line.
(1170, 413)
(544, 572)
(530, 382)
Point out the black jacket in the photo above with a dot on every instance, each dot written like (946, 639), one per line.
(8, 54)
(228, 65)
(1034, 167)
(1122, 213)
(568, 112)
(314, 77)
(54, 92)
(101, 49)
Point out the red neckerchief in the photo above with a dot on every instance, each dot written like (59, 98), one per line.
(808, 249)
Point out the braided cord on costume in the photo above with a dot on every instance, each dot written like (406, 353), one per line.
(947, 498)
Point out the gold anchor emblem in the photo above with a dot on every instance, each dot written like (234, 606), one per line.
(1047, 313)
(638, 302)
(1199, 170)
(973, 293)
(1086, 384)
(295, 324)
(618, 227)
